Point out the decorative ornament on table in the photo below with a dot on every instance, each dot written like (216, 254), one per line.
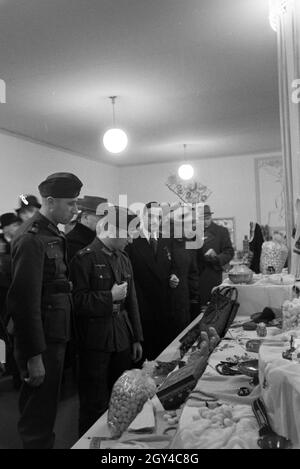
(273, 255)
(261, 329)
(189, 192)
(288, 354)
(290, 314)
(240, 273)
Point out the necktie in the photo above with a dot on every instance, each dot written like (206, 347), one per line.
(153, 245)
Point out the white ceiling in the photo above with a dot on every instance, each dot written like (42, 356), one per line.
(200, 72)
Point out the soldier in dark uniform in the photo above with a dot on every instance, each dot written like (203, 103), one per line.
(107, 315)
(84, 231)
(39, 301)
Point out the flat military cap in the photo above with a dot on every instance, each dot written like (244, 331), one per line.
(61, 186)
(28, 201)
(89, 203)
(8, 219)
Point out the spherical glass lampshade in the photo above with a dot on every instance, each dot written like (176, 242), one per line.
(186, 172)
(115, 140)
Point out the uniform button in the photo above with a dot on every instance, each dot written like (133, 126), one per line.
(50, 306)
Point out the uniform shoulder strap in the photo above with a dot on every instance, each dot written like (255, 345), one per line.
(84, 251)
(35, 228)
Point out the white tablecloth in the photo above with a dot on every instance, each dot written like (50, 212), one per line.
(224, 387)
(210, 386)
(255, 297)
(280, 380)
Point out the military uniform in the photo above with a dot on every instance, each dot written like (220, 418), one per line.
(78, 238)
(106, 330)
(81, 235)
(39, 300)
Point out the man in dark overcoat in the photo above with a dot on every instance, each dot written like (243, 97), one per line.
(152, 263)
(216, 252)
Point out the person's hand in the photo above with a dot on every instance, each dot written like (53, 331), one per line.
(174, 281)
(36, 371)
(214, 338)
(119, 292)
(137, 352)
(204, 345)
(211, 253)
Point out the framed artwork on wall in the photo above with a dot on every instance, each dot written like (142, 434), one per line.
(228, 223)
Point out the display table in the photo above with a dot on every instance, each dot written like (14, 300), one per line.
(100, 428)
(223, 390)
(255, 297)
(210, 386)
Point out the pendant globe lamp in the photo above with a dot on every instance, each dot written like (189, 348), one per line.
(185, 171)
(115, 140)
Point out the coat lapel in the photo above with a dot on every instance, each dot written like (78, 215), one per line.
(143, 246)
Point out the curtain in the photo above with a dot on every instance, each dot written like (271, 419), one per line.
(287, 16)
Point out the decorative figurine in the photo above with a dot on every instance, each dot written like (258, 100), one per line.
(261, 329)
(288, 353)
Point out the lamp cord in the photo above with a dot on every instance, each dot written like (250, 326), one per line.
(113, 99)
(184, 152)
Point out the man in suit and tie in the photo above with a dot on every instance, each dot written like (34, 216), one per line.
(151, 258)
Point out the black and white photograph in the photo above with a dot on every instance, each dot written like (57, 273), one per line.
(149, 227)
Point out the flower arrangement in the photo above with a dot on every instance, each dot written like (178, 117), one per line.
(189, 192)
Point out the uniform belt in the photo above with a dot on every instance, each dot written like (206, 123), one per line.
(58, 287)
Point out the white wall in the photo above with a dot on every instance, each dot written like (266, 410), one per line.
(231, 180)
(25, 164)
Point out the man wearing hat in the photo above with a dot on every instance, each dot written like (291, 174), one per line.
(29, 205)
(39, 301)
(216, 252)
(84, 231)
(9, 223)
(106, 312)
